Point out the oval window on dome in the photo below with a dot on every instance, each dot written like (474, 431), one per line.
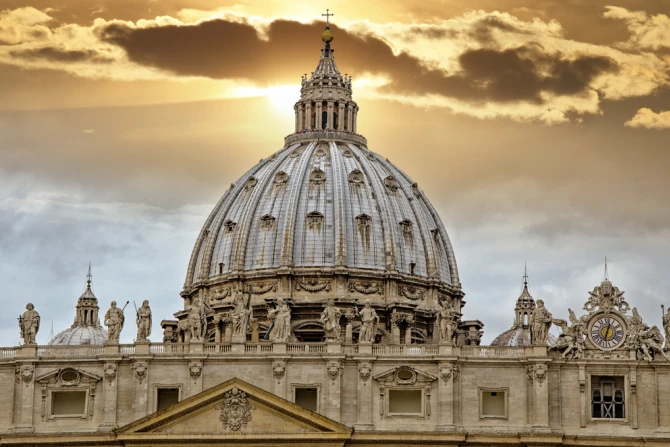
(280, 178)
(252, 182)
(229, 226)
(356, 177)
(391, 184)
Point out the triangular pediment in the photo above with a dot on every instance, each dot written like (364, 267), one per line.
(232, 410)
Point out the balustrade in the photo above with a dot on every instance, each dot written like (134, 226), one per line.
(493, 352)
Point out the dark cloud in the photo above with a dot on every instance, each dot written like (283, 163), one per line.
(59, 55)
(222, 49)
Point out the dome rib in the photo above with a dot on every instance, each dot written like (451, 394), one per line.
(290, 227)
(339, 174)
(377, 186)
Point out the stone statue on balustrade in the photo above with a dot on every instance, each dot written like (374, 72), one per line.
(647, 341)
(666, 327)
(446, 321)
(240, 316)
(29, 322)
(280, 316)
(571, 340)
(197, 320)
(114, 320)
(143, 319)
(540, 323)
(330, 317)
(369, 320)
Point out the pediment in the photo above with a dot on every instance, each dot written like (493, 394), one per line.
(234, 410)
(68, 377)
(405, 375)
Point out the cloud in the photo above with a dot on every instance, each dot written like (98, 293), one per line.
(480, 64)
(649, 119)
(647, 32)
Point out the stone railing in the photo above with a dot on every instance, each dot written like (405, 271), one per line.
(7, 353)
(70, 351)
(493, 352)
(324, 135)
(262, 348)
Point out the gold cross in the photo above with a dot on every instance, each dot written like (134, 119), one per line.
(327, 15)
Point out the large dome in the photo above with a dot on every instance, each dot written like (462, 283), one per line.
(324, 217)
(324, 204)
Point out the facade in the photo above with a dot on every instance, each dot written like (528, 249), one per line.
(322, 305)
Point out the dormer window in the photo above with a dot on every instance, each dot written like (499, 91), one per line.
(229, 226)
(356, 178)
(406, 226)
(251, 183)
(267, 222)
(363, 220)
(314, 220)
(317, 177)
(391, 184)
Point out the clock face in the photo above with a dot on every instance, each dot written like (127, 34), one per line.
(607, 332)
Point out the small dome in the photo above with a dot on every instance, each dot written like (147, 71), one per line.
(80, 335)
(518, 336)
(86, 329)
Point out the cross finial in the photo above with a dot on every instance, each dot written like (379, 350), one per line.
(607, 275)
(327, 15)
(525, 274)
(89, 276)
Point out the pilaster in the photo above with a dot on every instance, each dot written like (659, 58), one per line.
(447, 370)
(334, 366)
(279, 376)
(195, 370)
(109, 393)
(364, 391)
(25, 382)
(140, 366)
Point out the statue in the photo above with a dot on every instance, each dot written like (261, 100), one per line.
(29, 323)
(143, 321)
(114, 320)
(645, 340)
(281, 322)
(197, 320)
(540, 322)
(571, 340)
(446, 318)
(369, 320)
(330, 317)
(666, 327)
(240, 315)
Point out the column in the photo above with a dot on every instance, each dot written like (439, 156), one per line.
(308, 117)
(318, 119)
(365, 396)
(109, 394)
(408, 329)
(583, 402)
(340, 117)
(334, 366)
(633, 396)
(26, 391)
(330, 121)
(299, 125)
(355, 121)
(217, 328)
(350, 117)
(296, 118)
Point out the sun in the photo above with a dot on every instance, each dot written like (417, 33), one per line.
(282, 97)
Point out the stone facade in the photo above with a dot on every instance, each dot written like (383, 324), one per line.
(255, 356)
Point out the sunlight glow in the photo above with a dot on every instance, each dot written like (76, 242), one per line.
(282, 97)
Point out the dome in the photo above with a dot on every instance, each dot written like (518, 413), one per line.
(86, 329)
(80, 335)
(325, 217)
(519, 333)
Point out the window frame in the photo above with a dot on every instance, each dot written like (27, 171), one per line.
(295, 386)
(159, 386)
(387, 401)
(82, 389)
(626, 397)
(481, 403)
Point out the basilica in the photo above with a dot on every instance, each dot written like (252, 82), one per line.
(322, 305)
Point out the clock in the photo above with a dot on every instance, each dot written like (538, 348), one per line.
(607, 331)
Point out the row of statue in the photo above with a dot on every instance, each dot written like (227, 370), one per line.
(241, 315)
(29, 323)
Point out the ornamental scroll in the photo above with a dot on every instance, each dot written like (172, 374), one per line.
(413, 293)
(366, 287)
(313, 286)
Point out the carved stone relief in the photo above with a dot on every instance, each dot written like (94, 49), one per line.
(110, 372)
(195, 369)
(140, 369)
(312, 285)
(235, 410)
(411, 292)
(366, 287)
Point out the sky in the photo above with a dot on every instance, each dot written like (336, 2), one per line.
(540, 131)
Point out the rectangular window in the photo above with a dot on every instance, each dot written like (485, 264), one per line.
(405, 401)
(608, 397)
(493, 403)
(307, 398)
(166, 397)
(68, 403)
